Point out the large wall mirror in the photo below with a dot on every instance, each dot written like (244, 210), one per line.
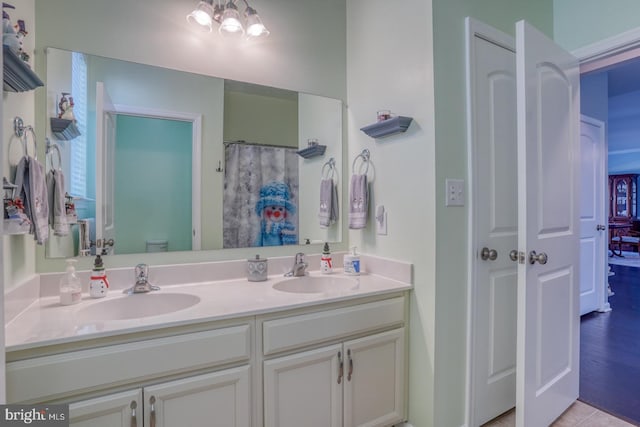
(177, 161)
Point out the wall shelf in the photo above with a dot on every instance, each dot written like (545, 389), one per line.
(312, 151)
(388, 127)
(63, 129)
(17, 76)
(13, 226)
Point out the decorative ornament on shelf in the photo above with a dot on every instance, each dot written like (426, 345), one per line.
(65, 107)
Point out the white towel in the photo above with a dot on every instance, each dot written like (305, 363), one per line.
(358, 202)
(32, 189)
(57, 210)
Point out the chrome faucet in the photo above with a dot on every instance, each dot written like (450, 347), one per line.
(299, 268)
(142, 281)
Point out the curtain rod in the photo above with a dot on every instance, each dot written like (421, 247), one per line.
(258, 144)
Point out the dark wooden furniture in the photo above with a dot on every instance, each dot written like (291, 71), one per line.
(622, 197)
(622, 212)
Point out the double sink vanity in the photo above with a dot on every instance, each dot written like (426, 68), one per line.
(317, 350)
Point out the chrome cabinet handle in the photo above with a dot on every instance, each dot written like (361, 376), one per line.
(541, 258)
(513, 255)
(152, 413)
(601, 227)
(340, 368)
(488, 254)
(134, 419)
(350, 365)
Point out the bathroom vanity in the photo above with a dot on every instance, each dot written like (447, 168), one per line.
(273, 353)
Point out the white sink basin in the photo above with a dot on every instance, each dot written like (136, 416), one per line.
(136, 306)
(315, 284)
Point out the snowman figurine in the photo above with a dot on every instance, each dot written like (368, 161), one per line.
(274, 209)
(98, 286)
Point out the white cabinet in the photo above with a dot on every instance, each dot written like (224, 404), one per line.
(303, 390)
(354, 383)
(115, 410)
(218, 399)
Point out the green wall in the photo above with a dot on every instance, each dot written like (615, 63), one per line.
(578, 23)
(274, 120)
(451, 162)
(152, 183)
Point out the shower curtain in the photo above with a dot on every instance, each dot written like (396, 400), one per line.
(249, 168)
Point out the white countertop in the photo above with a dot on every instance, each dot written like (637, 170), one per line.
(46, 322)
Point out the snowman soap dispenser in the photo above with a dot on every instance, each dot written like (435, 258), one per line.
(98, 286)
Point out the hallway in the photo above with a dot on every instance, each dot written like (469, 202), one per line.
(610, 350)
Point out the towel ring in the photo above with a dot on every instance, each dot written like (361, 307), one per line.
(20, 130)
(366, 156)
(331, 171)
(52, 146)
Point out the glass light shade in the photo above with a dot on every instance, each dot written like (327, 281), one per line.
(255, 27)
(231, 24)
(202, 16)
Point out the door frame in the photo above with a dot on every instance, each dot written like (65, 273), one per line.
(474, 28)
(609, 51)
(196, 149)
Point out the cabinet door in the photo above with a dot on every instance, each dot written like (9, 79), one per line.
(304, 389)
(374, 386)
(218, 399)
(114, 410)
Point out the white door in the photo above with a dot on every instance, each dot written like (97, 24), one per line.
(305, 389)
(548, 228)
(593, 248)
(374, 380)
(593, 237)
(218, 399)
(105, 161)
(491, 71)
(114, 410)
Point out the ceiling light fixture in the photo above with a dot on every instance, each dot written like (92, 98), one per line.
(229, 18)
(203, 15)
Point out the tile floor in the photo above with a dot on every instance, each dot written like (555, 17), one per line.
(578, 415)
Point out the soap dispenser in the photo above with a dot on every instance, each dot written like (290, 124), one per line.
(326, 265)
(352, 263)
(70, 288)
(98, 286)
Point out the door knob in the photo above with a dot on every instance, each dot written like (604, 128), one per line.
(513, 255)
(541, 258)
(601, 227)
(488, 254)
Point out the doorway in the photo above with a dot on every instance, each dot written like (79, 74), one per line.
(141, 139)
(611, 89)
(473, 311)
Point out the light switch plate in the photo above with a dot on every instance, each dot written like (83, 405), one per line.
(454, 192)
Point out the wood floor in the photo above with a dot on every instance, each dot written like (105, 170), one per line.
(610, 350)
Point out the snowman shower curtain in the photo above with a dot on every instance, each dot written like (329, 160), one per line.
(260, 195)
